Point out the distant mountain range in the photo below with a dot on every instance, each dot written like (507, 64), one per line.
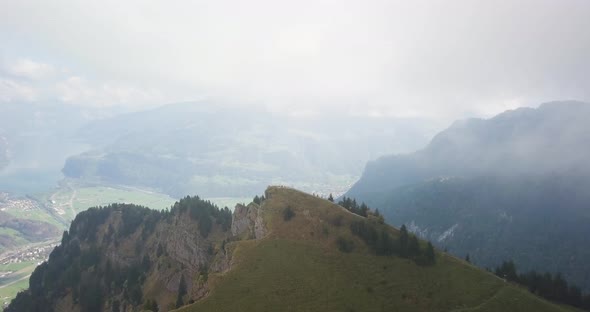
(511, 187)
(219, 151)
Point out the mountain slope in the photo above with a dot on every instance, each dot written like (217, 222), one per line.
(114, 256)
(281, 255)
(232, 151)
(551, 139)
(297, 268)
(23, 221)
(511, 187)
(540, 223)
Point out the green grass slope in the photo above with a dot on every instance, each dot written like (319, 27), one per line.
(298, 267)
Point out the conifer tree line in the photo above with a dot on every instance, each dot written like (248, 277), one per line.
(380, 240)
(351, 205)
(552, 287)
(382, 243)
(258, 199)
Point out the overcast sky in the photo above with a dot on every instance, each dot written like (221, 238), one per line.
(441, 59)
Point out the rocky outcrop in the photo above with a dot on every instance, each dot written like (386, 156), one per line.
(248, 222)
(123, 256)
(184, 244)
(116, 258)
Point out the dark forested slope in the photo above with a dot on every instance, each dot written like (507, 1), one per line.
(511, 187)
(290, 251)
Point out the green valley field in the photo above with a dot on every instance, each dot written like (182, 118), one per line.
(15, 281)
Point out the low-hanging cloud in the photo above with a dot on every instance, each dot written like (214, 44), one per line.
(403, 58)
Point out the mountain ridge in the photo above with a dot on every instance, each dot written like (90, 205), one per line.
(522, 167)
(287, 250)
(245, 149)
(522, 141)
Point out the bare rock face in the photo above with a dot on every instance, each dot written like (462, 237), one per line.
(223, 261)
(240, 220)
(132, 254)
(175, 248)
(248, 221)
(184, 244)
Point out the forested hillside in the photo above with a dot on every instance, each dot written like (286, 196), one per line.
(525, 141)
(511, 187)
(290, 250)
(118, 257)
(497, 219)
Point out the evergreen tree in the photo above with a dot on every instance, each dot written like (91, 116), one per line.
(467, 258)
(288, 213)
(347, 203)
(364, 210)
(413, 246)
(403, 240)
(384, 244)
(181, 292)
(151, 305)
(379, 217)
(549, 286)
(507, 270)
(430, 255)
(331, 198)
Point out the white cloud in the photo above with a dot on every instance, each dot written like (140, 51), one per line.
(25, 80)
(26, 68)
(12, 91)
(404, 58)
(73, 89)
(77, 90)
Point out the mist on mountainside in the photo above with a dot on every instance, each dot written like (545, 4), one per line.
(416, 155)
(508, 187)
(548, 140)
(218, 149)
(35, 140)
(222, 151)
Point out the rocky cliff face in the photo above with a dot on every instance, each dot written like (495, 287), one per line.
(124, 257)
(247, 221)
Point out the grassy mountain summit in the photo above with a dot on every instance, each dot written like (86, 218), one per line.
(291, 252)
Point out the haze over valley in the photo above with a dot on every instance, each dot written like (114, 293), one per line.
(294, 156)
